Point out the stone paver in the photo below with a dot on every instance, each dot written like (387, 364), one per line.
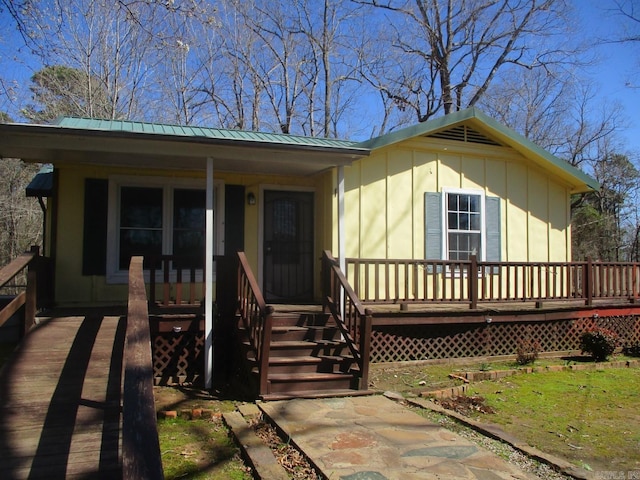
(374, 438)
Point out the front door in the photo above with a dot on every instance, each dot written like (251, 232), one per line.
(288, 246)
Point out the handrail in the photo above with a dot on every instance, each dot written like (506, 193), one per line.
(141, 458)
(28, 298)
(352, 319)
(406, 281)
(257, 318)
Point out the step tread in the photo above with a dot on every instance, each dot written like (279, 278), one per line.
(337, 358)
(276, 360)
(304, 343)
(300, 328)
(293, 360)
(341, 392)
(310, 376)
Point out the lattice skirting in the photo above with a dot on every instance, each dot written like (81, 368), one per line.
(427, 342)
(178, 357)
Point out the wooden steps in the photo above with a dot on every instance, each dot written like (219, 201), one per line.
(307, 358)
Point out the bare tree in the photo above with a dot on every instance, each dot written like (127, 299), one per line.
(330, 28)
(20, 217)
(604, 222)
(281, 66)
(229, 87)
(110, 43)
(447, 54)
(629, 12)
(560, 113)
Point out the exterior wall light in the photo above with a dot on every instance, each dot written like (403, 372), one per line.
(251, 198)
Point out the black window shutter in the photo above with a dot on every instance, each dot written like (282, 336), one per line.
(234, 219)
(94, 239)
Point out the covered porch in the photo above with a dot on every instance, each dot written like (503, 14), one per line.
(169, 192)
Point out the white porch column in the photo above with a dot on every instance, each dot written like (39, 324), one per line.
(342, 244)
(208, 292)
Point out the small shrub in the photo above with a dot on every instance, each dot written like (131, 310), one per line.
(632, 350)
(599, 343)
(527, 351)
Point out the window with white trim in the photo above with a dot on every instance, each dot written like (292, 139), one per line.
(159, 216)
(464, 225)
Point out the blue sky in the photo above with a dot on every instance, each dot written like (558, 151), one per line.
(617, 73)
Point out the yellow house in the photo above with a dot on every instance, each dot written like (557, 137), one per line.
(449, 188)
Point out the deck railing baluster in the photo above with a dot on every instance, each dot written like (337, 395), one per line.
(400, 281)
(29, 298)
(351, 318)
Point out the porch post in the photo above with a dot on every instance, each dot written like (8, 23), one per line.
(341, 235)
(342, 262)
(208, 290)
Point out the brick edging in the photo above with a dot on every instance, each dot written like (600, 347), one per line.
(496, 374)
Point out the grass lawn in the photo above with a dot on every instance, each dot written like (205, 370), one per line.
(591, 418)
(199, 449)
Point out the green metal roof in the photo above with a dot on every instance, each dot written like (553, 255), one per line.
(202, 132)
(495, 131)
(240, 150)
(42, 184)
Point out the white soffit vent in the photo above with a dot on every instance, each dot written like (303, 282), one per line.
(463, 133)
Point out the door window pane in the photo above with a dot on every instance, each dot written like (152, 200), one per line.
(285, 232)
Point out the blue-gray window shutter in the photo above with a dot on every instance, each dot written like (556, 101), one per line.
(433, 225)
(492, 223)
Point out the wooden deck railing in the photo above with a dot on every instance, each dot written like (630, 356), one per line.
(174, 273)
(416, 281)
(257, 318)
(352, 319)
(140, 445)
(28, 297)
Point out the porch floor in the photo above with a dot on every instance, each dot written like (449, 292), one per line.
(60, 398)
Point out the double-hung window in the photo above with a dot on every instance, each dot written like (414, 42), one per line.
(460, 223)
(464, 225)
(158, 216)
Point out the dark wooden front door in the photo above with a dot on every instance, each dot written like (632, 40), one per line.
(288, 246)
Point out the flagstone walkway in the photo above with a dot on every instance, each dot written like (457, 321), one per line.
(375, 438)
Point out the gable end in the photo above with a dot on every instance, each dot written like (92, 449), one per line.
(464, 133)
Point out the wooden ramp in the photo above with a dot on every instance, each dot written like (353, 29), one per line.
(60, 399)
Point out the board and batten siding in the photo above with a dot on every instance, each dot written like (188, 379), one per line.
(385, 199)
(77, 284)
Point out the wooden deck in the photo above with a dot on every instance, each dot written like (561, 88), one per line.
(60, 399)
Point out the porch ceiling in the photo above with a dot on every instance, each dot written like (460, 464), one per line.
(59, 146)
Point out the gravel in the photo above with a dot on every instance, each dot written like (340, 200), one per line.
(503, 450)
